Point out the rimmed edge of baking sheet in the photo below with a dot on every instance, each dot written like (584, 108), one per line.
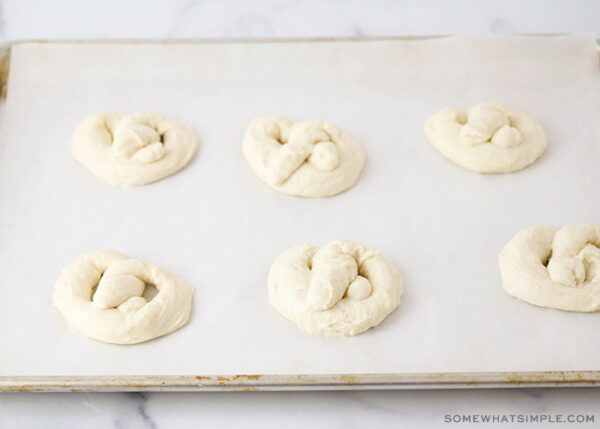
(279, 382)
(258, 382)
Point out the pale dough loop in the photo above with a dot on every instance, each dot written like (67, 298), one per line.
(133, 149)
(341, 289)
(554, 267)
(489, 138)
(307, 159)
(116, 312)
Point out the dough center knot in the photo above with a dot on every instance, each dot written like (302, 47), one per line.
(134, 138)
(575, 257)
(486, 124)
(119, 288)
(299, 145)
(335, 276)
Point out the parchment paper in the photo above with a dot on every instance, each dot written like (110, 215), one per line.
(216, 225)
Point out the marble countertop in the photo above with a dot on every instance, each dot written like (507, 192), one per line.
(185, 19)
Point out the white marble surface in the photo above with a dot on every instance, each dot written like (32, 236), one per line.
(312, 410)
(181, 19)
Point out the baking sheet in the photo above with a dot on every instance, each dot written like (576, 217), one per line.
(219, 227)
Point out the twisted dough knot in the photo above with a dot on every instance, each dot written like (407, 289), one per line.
(340, 289)
(486, 123)
(136, 138)
(575, 257)
(554, 267)
(335, 276)
(121, 286)
(310, 158)
(132, 149)
(300, 144)
(117, 312)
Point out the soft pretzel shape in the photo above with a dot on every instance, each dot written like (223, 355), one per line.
(306, 159)
(489, 138)
(132, 149)
(554, 267)
(341, 289)
(117, 313)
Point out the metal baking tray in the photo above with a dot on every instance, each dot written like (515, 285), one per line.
(252, 381)
(257, 382)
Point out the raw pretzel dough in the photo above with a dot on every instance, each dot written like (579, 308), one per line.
(117, 313)
(554, 267)
(307, 159)
(489, 138)
(132, 149)
(341, 289)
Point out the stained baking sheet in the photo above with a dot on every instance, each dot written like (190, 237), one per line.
(216, 225)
